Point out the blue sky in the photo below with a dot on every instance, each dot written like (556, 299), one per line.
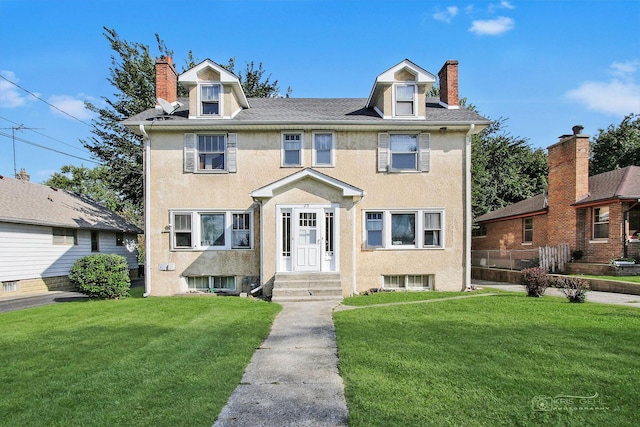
(545, 65)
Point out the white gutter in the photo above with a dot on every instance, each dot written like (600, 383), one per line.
(147, 211)
(467, 237)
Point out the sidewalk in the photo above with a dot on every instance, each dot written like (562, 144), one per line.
(292, 379)
(592, 296)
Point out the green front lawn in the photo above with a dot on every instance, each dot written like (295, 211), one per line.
(632, 279)
(492, 360)
(143, 362)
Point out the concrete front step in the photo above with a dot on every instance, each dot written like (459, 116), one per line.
(307, 298)
(306, 286)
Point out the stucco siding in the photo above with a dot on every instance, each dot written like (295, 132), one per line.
(259, 164)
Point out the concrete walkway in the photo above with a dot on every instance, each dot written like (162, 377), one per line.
(292, 379)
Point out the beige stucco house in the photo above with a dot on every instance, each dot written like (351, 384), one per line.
(307, 197)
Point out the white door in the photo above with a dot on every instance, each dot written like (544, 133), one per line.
(307, 239)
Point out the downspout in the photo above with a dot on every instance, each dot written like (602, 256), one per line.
(147, 211)
(353, 247)
(467, 236)
(259, 288)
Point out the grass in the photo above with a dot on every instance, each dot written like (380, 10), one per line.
(495, 360)
(400, 297)
(144, 362)
(632, 279)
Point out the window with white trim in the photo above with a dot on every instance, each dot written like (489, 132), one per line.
(210, 153)
(374, 229)
(292, 149)
(210, 100)
(211, 283)
(399, 152)
(211, 230)
(408, 281)
(404, 229)
(323, 149)
(601, 222)
(405, 99)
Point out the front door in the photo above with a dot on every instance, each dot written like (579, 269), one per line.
(308, 239)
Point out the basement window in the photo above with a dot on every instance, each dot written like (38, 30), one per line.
(211, 283)
(408, 281)
(10, 286)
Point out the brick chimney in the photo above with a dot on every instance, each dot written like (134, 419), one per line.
(448, 76)
(23, 175)
(166, 80)
(568, 183)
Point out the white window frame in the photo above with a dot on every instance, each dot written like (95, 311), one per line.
(419, 229)
(300, 150)
(211, 282)
(332, 152)
(223, 152)
(594, 222)
(415, 153)
(397, 99)
(407, 281)
(196, 230)
(201, 101)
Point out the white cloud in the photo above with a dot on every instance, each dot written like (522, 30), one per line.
(502, 5)
(615, 97)
(492, 27)
(73, 106)
(624, 69)
(10, 95)
(446, 15)
(619, 96)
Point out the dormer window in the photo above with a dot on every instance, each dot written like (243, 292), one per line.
(405, 99)
(210, 100)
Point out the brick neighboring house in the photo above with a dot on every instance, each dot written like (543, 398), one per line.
(44, 230)
(312, 197)
(598, 215)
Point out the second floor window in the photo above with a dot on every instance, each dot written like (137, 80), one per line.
(210, 153)
(323, 149)
(292, 149)
(210, 100)
(211, 150)
(404, 152)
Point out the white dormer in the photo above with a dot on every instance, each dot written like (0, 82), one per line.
(214, 92)
(399, 92)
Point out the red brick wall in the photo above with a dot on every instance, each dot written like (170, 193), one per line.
(166, 80)
(601, 250)
(568, 182)
(509, 235)
(448, 76)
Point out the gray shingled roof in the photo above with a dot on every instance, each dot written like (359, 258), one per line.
(524, 207)
(305, 110)
(613, 185)
(616, 184)
(25, 202)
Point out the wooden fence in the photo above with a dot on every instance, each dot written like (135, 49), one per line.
(554, 258)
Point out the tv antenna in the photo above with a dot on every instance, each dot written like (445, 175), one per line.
(13, 139)
(169, 107)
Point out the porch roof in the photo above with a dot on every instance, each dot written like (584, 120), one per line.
(347, 189)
